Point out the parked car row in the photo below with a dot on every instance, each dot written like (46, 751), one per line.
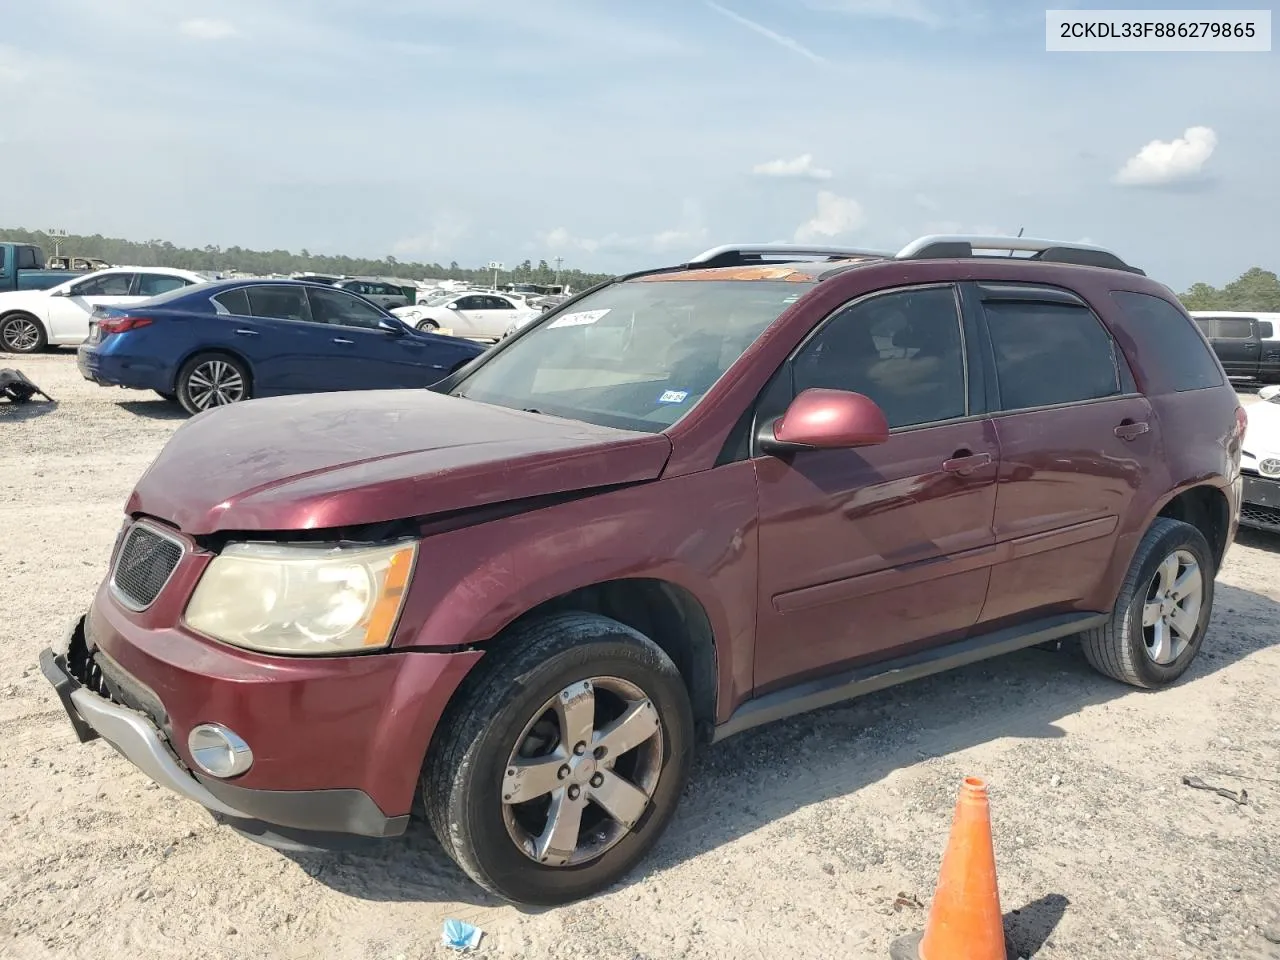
(1248, 344)
(224, 342)
(479, 316)
(695, 500)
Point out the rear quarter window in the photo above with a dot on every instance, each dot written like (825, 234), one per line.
(1171, 350)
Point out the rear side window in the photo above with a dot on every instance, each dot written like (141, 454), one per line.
(1232, 328)
(1266, 330)
(27, 259)
(154, 284)
(279, 303)
(1168, 342)
(234, 301)
(1050, 353)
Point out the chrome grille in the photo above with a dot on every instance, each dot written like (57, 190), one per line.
(146, 560)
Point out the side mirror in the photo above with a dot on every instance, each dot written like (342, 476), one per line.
(453, 306)
(1269, 393)
(391, 327)
(59, 293)
(821, 419)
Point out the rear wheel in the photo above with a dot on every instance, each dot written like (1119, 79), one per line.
(561, 761)
(211, 380)
(1162, 613)
(22, 333)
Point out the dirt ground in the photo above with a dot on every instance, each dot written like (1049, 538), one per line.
(792, 841)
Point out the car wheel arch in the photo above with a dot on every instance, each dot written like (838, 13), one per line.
(224, 351)
(667, 613)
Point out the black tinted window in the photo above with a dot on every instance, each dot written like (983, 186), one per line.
(27, 259)
(903, 350)
(235, 301)
(1230, 328)
(1167, 341)
(334, 306)
(472, 303)
(279, 303)
(1049, 353)
(1266, 329)
(152, 284)
(104, 285)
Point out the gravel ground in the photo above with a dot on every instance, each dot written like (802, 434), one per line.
(794, 840)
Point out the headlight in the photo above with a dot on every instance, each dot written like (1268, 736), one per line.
(298, 598)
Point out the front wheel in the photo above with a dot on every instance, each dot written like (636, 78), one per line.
(22, 333)
(1162, 613)
(426, 326)
(211, 380)
(560, 762)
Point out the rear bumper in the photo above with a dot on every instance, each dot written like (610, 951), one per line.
(109, 370)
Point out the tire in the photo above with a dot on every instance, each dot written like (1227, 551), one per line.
(211, 380)
(1127, 650)
(527, 676)
(22, 333)
(428, 325)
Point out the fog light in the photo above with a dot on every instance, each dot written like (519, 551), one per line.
(218, 751)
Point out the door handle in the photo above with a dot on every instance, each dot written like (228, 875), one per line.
(1129, 429)
(964, 462)
(341, 340)
(246, 333)
(1251, 346)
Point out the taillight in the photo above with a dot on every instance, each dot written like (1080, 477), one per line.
(122, 324)
(1242, 421)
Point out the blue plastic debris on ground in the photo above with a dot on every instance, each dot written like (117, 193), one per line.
(461, 935)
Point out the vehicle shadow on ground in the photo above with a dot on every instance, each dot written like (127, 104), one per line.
(156, 409)
(763, 775)
(26, 411)
(1258, 540)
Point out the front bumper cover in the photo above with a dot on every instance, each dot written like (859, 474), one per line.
(296, 820)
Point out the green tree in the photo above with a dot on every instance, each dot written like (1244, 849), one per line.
(1255, 289)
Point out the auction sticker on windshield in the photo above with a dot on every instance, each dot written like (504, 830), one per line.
(580, 319)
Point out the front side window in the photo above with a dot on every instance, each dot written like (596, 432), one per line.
(904, 350)
(334, 306)
(472, 303)
(279, 303)
(1050, 353)
(104, 285)
(637, 355)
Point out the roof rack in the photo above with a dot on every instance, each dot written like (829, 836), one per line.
(952, 246)
(740, 254)
(938, 247)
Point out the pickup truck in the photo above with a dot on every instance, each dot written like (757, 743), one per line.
(1245, 342)
(22, 268)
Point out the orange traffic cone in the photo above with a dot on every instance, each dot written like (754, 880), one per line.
(965, 922)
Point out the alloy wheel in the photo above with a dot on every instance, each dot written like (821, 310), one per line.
(215, 383)
(1171, 613)
(583, 772)
(21, 335)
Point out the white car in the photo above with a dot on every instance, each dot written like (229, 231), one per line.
(1260, 463)
(31, 320)
(477, 316)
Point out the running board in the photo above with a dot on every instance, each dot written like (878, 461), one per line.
(860, 681)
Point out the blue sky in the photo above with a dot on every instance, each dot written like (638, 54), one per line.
(620, 135)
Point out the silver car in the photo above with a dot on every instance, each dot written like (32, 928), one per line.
(385, 295)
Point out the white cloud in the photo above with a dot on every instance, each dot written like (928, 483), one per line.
(688, 237)
(442, 236)
(1161, 162)
(836, 215)
(801, 168)
(781, 39)
(202, 29)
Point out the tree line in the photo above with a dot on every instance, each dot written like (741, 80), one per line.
(1255, 289)
(214, 259)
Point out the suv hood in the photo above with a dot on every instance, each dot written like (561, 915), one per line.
(341, 459)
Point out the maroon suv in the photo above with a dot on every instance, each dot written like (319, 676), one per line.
(684, 503)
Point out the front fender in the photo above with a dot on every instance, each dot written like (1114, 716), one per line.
(697, 532)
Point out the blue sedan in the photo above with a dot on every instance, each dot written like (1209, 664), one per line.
(218, 343)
